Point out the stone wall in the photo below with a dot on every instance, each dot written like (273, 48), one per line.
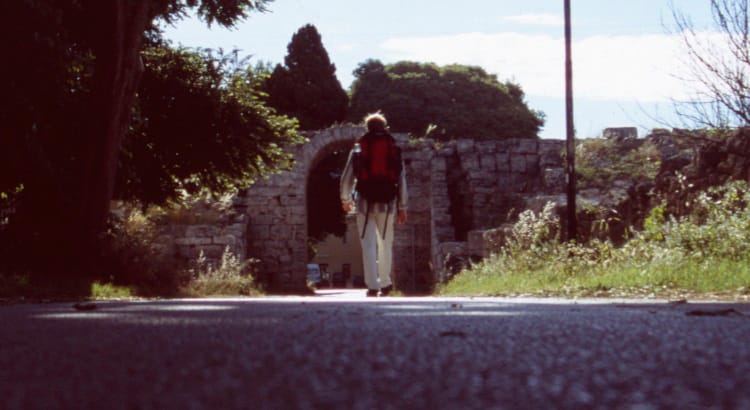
(202, 227)
(276, 205)
(212, 240)
(457, 190)
(480, 185)
(454, 188)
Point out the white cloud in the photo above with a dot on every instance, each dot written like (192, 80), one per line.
(633, 68)
(549, 20)
(345, 47)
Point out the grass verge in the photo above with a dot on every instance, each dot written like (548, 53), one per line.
(702, 254)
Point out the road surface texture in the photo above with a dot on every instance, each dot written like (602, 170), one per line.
(344, 351)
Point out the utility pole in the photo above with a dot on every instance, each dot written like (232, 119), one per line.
(570, 132)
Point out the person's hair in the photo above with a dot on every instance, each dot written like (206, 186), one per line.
(375, 121)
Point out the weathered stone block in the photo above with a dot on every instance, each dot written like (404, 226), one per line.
(487, 162)
(414, 165)
(225, 240)
(257, 231)
(532, 164)
(518, 164)
(445, 152)
(193, 241)
(438, 165)
(300, 234)
(464, 146)
(235, 229)
(484, 175)
(470, 162)
(551, 153)
(486, 147)
(525, 146)
(480, 191)
(198, 230)
(502, 161)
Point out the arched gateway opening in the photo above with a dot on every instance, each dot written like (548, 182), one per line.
(334, 251)
(278, 210)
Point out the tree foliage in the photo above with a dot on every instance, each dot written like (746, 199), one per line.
(718, 66)
(306, 87)
(69, 102)
(199, 126)
(454, 101)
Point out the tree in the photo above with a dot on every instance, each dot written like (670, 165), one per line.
(718, 66)
(70, 95)
(454, 101)
(199, 126)
(306, 86)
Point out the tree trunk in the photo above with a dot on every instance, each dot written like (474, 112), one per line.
(117, 73)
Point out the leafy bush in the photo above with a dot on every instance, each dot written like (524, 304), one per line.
(134, 257)
(108, 291)
(202, 209)
(718, 224)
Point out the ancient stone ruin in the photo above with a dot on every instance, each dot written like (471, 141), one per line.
(461, 194)
(457, 190)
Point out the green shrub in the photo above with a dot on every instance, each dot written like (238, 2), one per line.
(108, 291)
(717, 225)
(134, 257)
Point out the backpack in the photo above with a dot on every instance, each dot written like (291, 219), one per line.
(377, 167)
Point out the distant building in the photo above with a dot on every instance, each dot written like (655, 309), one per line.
(343, 255)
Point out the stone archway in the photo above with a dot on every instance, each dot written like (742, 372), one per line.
(277, 207)
(456, 191)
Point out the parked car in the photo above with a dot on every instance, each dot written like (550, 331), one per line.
(313, 274)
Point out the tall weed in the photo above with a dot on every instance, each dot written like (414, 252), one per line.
(231, 277)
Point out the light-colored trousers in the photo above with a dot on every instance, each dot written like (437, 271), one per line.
(377, 252)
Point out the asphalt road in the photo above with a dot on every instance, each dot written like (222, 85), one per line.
(343, 351)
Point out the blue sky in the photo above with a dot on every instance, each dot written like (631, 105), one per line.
(625, 62)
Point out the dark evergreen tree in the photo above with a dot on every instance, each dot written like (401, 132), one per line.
(306, 86)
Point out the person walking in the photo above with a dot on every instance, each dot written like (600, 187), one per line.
(374, 185)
